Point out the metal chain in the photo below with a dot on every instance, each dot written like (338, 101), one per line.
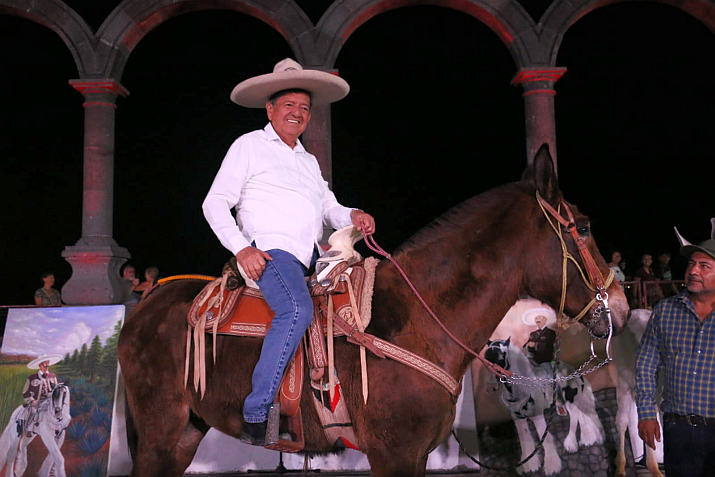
(534, 382)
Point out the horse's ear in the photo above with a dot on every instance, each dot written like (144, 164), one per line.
(489, 342)
(507, 341)
(542, 175)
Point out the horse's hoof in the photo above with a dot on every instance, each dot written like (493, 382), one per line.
(532, 465)
(570, 446)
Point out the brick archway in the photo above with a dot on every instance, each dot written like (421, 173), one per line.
(562, 14)
(507, 20)
(63, 20)
(133, 19)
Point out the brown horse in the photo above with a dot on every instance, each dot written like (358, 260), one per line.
(470, 265)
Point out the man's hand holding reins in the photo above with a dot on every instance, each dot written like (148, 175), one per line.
(253, 261)
(363, 221)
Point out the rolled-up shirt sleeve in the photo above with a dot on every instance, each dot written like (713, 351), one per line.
(648, 366)
(225, 194)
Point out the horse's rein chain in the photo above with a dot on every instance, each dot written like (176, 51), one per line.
(594, 282)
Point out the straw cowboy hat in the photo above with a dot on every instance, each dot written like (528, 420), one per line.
(529, 315)
(707, 247)
(52, 358)
(323, 87)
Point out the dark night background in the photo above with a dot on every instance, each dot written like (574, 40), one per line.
(431, 120)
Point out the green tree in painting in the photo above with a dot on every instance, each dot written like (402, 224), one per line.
(94, 356)
(75, 358)
(108, 366)
(82, 362)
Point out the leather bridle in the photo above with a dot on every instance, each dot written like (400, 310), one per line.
(593, 278)
(594, 282)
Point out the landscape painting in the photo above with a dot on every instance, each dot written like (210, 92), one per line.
(58, 374)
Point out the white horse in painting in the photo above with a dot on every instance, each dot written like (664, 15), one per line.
(624, 351)
(53, 419)
(530, 402)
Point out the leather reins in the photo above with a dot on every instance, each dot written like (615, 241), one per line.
(594, 282)
(494, 368)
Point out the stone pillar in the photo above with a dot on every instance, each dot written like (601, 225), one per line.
(318, 141)
(96, 258)
(538, 83)
(317, 138)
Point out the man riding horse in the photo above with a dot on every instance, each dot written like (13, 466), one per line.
(281, 202)
(37, 387)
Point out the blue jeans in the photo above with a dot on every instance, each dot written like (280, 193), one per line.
(283, 286)
(689, 451)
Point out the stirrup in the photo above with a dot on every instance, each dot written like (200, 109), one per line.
(284, 442)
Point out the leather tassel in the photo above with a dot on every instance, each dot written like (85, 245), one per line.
(331, 357)
(358, 323)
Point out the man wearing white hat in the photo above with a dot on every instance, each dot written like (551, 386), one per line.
(541, 342)
(281, 203)
(43, 381)
(679, 345)
(38, 385)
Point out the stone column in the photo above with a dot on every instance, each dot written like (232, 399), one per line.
(96, 258)
(318, 141)
(538, 83)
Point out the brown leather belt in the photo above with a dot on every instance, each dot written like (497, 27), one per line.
(690, 419)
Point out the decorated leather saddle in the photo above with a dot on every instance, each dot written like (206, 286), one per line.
(342, 295)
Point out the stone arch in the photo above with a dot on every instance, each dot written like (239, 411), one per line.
(63, 20)
(564, 13)
(508, 20)
(133, 19)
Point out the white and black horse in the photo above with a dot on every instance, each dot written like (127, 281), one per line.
(625, 347)
(53, 417)
(528, 403)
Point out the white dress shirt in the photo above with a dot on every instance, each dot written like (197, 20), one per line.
(281, 199)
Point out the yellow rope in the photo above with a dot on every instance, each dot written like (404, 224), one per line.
(172, 278)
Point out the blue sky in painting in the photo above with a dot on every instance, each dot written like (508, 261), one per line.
(33, 331)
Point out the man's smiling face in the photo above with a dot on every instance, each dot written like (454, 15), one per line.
(289, 116)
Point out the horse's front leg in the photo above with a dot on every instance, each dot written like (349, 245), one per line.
(552, 461)
(571, 443)
(46, 469)
(626, 409)
(393, 463)
(592, 431)
(55, 455)
(527, 446)
(21, 463)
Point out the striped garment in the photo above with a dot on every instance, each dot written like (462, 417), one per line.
(676, 341)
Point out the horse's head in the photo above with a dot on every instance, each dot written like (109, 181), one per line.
(497, 352)
(60, 400)
(562, 233)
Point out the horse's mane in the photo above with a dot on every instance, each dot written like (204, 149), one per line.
(452, 221)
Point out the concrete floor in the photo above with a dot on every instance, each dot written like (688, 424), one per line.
(641, 471)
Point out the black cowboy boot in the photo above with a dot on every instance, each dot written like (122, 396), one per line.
(254, 433)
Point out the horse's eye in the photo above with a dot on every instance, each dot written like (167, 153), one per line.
(584, 231)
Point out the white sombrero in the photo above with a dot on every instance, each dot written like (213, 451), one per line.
(323, 87)
(52, 358)
(529, 315)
